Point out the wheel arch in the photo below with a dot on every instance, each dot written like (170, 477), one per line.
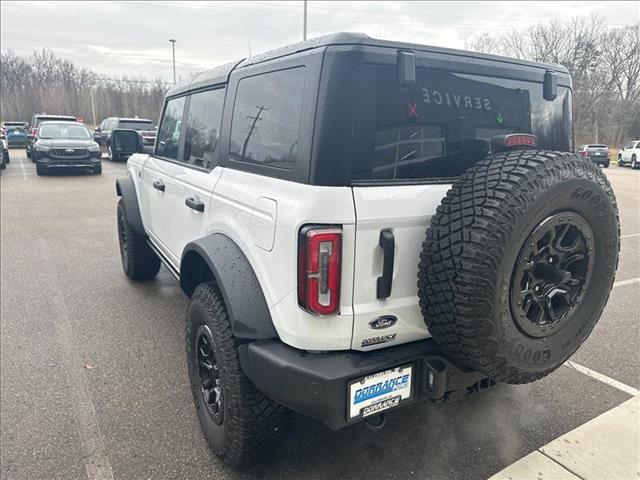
(218, 258)
(126, 189)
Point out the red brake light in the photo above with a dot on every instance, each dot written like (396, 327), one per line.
(520, 140)
(320, 269)
(34, 131)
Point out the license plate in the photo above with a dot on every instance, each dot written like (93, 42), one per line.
(598, 154)
(380, 391)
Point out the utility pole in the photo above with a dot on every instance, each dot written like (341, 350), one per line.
(304, 28)
(93, 107)
(173, 49)
(255, 119)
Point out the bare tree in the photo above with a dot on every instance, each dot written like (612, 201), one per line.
(42, 82)
(604, 64)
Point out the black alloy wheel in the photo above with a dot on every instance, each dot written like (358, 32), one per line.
(210, 387)
(551, 274)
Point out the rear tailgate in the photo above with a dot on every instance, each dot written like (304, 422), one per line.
(404, 211)
(598, 151)
(409, 142)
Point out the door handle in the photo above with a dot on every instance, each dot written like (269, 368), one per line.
(197, 205)
(387, 243)
(158, 185)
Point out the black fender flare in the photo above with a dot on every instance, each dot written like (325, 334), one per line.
(241, 291)
(126, 189)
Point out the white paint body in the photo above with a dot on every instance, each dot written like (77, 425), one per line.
(263, 216)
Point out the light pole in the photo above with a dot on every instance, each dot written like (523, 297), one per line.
(173, 49)
(304, 25)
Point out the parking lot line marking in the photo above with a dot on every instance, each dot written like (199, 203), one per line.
(96, 458)
(626, 282)
(630, 235)
(24, 170)
(603, 378)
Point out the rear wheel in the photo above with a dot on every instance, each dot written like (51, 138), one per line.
(634, 163)
(518, 263)
(606, 164)
(240, 424)
(139, 261)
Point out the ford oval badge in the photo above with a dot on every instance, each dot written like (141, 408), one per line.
(385, 321)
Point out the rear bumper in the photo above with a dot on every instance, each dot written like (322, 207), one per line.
(316, 384)
(16, 141)
(599, 160)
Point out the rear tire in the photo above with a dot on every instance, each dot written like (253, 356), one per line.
(518, 263)
(139, 261)
(606, 164)
(241, 425)
(634, 163)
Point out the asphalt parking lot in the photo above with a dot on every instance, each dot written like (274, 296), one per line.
(67, 305)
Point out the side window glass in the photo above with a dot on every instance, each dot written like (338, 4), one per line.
(168, 139)
(202, 134)
(266, 118)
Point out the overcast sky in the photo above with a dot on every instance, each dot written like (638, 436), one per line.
(131, 38)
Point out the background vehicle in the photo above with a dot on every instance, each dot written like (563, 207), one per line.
(145, 127)
(15, 132)
(65, 145)
(630, 154)
(4, 152)
(598, 154)
(38, 118)
(298, 195)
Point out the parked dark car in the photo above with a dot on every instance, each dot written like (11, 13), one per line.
(143, 126)
(65, 145)
(597, 153)
(4, 152)
(35, 122)
(15, 133)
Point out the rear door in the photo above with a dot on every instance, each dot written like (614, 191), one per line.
(192, 178)
(409, 144)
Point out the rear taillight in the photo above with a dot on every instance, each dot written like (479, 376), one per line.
(319, 269)
(34, 131)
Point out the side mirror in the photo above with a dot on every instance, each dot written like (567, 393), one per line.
(126, 142)
(97, 130)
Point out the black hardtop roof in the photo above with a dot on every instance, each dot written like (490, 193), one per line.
(14, 123)
(221, 74)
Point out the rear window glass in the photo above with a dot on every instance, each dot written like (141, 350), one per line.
(444, 123)
(266, 119)
(135, 125)
(203, 128)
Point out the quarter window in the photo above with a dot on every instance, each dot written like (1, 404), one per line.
(169, 135)
(266, 119)
(202, 134)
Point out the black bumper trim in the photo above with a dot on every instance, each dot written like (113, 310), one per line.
(316, 384)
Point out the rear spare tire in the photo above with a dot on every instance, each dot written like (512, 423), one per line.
(518, 262)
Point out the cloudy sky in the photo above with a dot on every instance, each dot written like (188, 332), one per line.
(131, 38)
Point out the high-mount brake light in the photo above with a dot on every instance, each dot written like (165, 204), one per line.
(320, 269)
(513, 141)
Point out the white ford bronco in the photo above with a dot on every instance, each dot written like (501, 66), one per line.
(361, 225)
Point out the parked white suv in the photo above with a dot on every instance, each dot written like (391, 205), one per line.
(630, 154)
(363, 224)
